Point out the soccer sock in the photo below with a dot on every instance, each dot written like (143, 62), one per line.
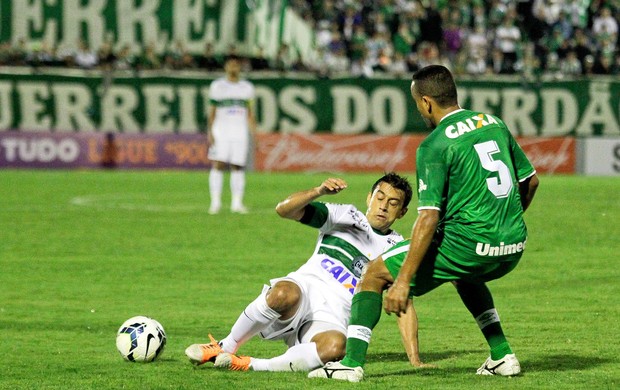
(365, 314)
(256, 317)
(301, 357)
(216, 182)
(237, 187)
(479, 301)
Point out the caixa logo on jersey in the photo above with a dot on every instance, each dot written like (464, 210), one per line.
(39, 150)
(348, 279)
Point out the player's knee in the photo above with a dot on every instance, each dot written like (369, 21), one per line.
(376, 276)
(331, 346)
(284, 296)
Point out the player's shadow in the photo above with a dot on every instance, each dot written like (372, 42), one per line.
(562, 363)
(427, 357)
(544, 363)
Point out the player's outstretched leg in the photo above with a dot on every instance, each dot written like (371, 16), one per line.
(201, 353)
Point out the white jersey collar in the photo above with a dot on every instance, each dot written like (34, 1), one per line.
(450, 113)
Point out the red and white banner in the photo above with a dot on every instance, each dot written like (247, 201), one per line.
(328, 152)
(274, 152)
(551, 155)
(371, 153)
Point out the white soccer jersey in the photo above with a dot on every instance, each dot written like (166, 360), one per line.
(231, 100)
(345, 244)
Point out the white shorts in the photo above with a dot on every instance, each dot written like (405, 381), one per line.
(233, 152)
(319, 311)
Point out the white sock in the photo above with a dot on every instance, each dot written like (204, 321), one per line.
(256, 317)
(216, 183)
(302, 357)
(237, 187)
(487, 318)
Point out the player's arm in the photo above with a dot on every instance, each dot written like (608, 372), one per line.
(408, 326)
(251, 119)
(294, 206)
(395, 300)
(210, 120)
(527, 189)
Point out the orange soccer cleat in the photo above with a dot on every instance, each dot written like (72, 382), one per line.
(232, 362)
(201, 353)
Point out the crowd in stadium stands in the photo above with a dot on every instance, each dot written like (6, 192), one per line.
(366, 38)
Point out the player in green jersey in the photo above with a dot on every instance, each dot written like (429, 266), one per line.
(474, 183)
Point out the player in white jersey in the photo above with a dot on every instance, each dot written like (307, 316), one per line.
(309, 308)
(230, 122)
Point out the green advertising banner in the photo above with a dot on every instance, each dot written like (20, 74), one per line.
(246, 24)
(177, 104)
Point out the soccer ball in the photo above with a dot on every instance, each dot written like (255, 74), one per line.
(140, 339)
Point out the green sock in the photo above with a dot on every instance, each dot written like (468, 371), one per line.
(365, 313)
(500, 350)
(497, 341)
(479, 302)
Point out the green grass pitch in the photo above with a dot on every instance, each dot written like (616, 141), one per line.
(82, 251)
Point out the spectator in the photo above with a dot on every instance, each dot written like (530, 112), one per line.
(283, 61)
(259, 62)
(357, 44)
(431, 24)
(571, 66)
(337, 61)
(404, 40)
(207, 60)
(348, 21)
(577, 11)
(497, 13)
(125, 60)
(603, 65)
(85, 58)
(498, 63)
(363, 67)
(476, 64)
(507, 39)
(581, 46)
(453, 35)
(149, 59)
(398, 66)
(547, 12)
(107, 58)
(605, 23)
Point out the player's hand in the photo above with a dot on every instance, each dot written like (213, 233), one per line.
(210, 138)
(396, 298)
(332, 186)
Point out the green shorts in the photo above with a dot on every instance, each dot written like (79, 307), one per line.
(437, 269)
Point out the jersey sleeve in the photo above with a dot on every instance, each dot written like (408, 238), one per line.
(214, 92)
(523, 166)
(315, 215)
(431, 171)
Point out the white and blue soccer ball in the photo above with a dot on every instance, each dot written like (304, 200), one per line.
(141, 339)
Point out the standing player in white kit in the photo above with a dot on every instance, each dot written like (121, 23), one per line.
(231, 121)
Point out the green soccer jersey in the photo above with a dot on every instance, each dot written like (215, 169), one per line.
(469, 168)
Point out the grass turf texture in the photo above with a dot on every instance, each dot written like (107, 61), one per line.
(82, 251)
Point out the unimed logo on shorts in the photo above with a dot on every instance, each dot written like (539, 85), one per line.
(486, 249)
(43, 150)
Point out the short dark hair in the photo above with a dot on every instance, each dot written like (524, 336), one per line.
(397, 181)
(437, 82)
(232, 57)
